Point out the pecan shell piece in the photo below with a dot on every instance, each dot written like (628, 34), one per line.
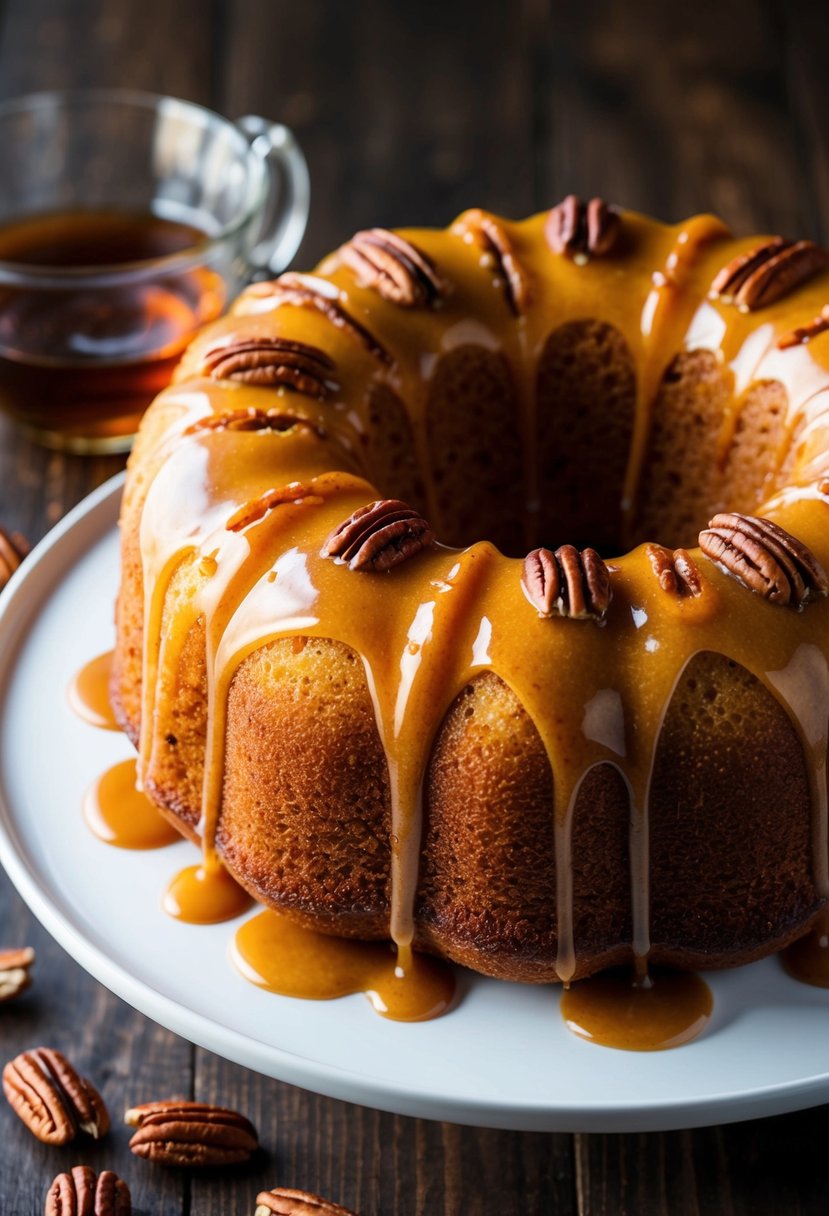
(567, 583)
(765, 558)
(271, 362)
(490, 236)
(582, 230)
(805, 333)
(14, 972)
(185, 1133)
(310, 291)
(284, 1201)
(258, 508)
(13, 548)
(675, 570)
(768, 272)
(52, 1099)
(395, 268)
(379, 536)
(83, 1193)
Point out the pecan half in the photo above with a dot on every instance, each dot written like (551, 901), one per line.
(310, 291)
(379, 536)
(284, 1201)
(499, 253)
(271, 362)
(675, 570)
(14, 972)
(582, 230)
(191, 1134)
(805, 333)
(567, 583)
(252, 419)
(83, 1193)
(765, 558)
(13, 548)
(52, 1099)
(395, 268)
(768, 272)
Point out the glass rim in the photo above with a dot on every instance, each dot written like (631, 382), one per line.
(22, 274)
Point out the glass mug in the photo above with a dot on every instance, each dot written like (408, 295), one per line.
(127, 221)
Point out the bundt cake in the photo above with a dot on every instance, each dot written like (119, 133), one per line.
(473, 592)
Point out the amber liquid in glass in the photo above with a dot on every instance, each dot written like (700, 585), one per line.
(81, 360)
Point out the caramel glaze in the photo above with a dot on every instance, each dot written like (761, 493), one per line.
(807, 960)
(205, 895)
(659, 1010)
(428, 627)
(89, 693)
(121, 815)
(274, 953)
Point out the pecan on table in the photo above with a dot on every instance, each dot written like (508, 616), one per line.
(52, 1099)
(567, 583)
(675, 570)
(284, 1201)
(271, 363)
(768, 272)
(14, 972)
(765, 558)
(582, 230)
(395, 268)
(185, 1133)
(379, 536)
(83, 1193)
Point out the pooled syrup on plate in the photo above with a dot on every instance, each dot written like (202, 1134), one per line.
(807, 959)
(205, 894)
(272, 952)
(648, 1012)
(119, 814)
(89, 693)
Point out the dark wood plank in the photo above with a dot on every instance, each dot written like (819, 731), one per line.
(407, 113)
(803, 29)
(126, 1056)
(131, 44)
(378, 1163)
(769, 1166)
(675, 110)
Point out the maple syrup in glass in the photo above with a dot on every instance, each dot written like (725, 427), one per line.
(127, 221)
(96, 307)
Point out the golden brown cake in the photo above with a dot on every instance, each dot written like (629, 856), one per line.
(474, 592)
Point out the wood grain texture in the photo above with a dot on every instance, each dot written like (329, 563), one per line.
(409, 113)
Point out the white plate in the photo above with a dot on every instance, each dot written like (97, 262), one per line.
(503, 1058)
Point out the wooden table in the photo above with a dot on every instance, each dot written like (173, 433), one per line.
(409, 113)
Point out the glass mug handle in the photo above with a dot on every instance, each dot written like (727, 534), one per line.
(289, 195)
